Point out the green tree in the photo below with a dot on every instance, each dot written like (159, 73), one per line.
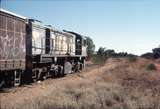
(101, 51)
(90, 47)
(148, 55)
(100, 58)
(109, 53)
(156, 52)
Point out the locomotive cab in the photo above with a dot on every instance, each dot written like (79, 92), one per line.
(81, 45)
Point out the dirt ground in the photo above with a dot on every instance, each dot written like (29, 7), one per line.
(20, 95)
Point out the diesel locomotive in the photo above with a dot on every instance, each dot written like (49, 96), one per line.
(31, 51)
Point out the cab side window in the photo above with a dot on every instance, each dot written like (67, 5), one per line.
(84, 42)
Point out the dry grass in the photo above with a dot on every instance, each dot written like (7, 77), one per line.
(125, 86)
(100, 95)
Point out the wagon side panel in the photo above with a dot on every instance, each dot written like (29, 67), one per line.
(12, 42)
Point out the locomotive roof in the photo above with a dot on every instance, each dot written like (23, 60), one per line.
(13, 14)
(59, 31)
(52, 28)
(71, 32)
(37, 23)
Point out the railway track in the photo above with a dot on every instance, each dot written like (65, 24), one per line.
(78, 74)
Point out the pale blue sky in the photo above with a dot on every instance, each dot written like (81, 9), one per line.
(123, 25)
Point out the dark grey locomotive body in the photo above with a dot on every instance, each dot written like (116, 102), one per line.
(31, 51)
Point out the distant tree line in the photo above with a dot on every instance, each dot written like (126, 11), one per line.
(106, 53)
(102, 51)
(100, 56)
(103, 54)
(155, 54)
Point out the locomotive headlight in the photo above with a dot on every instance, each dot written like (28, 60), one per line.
(35, 34)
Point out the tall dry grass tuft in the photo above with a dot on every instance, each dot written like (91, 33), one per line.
(99, 95)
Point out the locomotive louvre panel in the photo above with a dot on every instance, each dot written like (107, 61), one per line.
(56, 42)
(61, 43)
(64, 44)
(38, 40)
(53, 41)
(69, 45)
(72, 46)
(63, 51)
